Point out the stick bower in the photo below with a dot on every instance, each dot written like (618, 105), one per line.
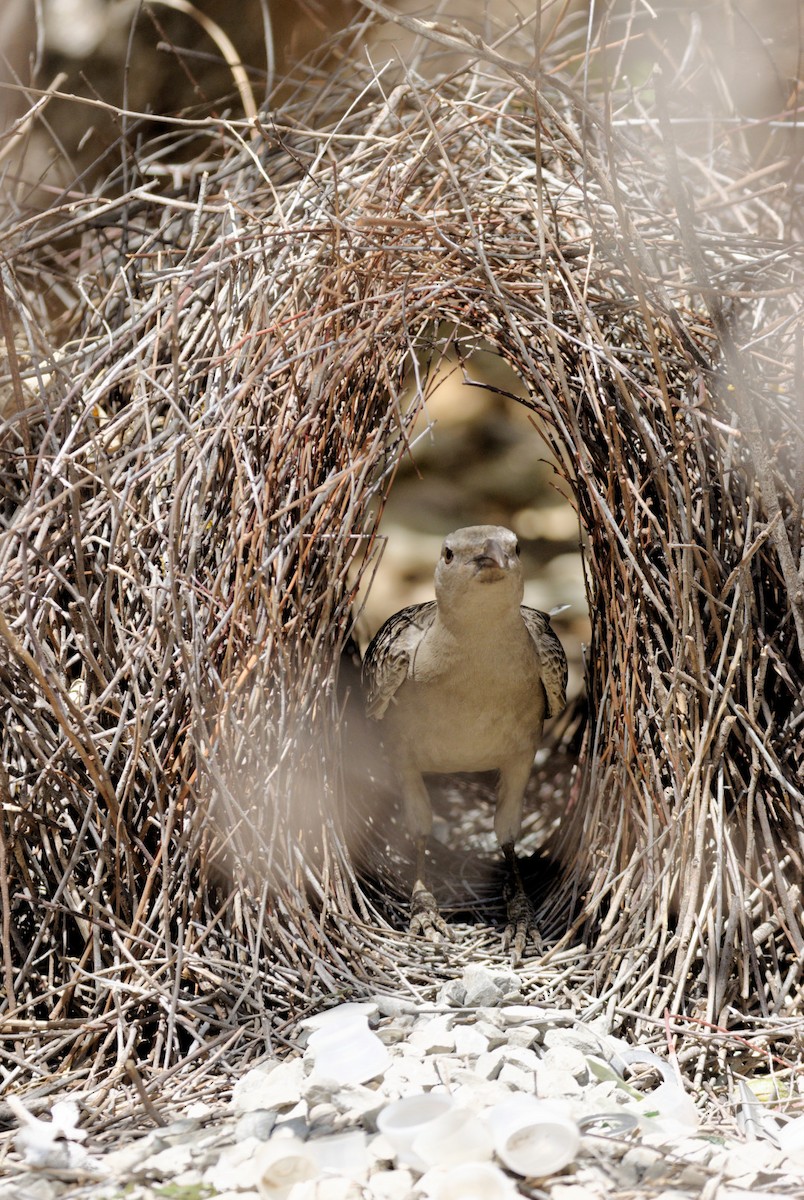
(194, 455)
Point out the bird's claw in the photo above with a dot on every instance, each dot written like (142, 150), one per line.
(521, 927)
(425, 919)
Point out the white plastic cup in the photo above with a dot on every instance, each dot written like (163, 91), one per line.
(455, 1136)
(532, 1137)
(403, 1121)
(281, 1163)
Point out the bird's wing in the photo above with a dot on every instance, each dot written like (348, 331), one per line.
(388, 660)
(554, 660)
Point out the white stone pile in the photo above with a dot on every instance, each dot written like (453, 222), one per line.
(478, 1097)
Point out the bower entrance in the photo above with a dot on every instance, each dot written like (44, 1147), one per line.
(191, 468)
(476, 456)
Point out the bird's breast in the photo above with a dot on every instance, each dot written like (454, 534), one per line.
(470, 710)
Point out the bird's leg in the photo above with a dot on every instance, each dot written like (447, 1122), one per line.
(522, 923)
(507, 822)
(425, 918)
(424, 915)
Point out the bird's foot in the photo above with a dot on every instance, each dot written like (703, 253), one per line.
(522, 926)
(425, 919)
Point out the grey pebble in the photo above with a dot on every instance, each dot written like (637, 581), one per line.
(258, 1124)
(480, 989)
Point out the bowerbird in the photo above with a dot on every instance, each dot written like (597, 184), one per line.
(464, 683)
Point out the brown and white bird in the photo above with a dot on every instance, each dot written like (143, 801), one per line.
(464, 683)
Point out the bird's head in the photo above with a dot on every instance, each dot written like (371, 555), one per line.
(479, 567)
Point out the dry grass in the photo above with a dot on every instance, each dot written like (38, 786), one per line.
(193, 462)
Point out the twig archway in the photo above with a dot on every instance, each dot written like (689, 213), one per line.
(191, 476)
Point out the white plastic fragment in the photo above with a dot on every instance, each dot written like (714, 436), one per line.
(791, 1141)
(340, 1015)
(465, 1067)
(54, 1143)
(676, 1111)
(667, 1109)
(344, 1049)
(753, 1119)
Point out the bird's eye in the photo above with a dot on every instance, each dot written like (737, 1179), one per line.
(448, 554)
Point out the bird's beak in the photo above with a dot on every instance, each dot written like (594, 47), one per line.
(492, 555)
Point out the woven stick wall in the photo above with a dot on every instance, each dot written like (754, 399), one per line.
(193, 464)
